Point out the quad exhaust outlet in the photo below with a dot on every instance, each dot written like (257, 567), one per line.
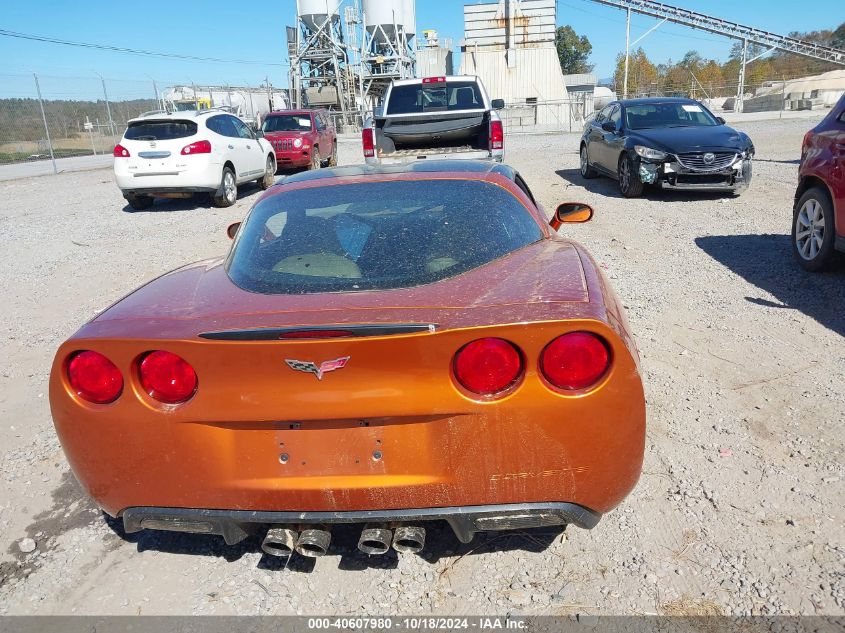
(409, 539)
(375, 540)
(313, 542)
(280, 542)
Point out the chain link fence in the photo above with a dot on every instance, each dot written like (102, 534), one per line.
(44, 117)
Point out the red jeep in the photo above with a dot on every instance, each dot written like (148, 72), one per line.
(301, 138)
(818, 218)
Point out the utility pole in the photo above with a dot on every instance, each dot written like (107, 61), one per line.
(108, 109)
(627, 53)
(44, 119)
(738, 107)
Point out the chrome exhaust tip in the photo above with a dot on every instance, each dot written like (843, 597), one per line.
(375, 540)
(280, 542)
(409, 539)
(313, 542)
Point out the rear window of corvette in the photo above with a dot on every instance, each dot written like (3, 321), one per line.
(378, 235)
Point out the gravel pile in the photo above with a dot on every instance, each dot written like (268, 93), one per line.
(740, 506)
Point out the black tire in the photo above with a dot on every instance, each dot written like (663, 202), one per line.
(587, 171)
(266, 181)
(813, 230)
(630, 184)
(139, 203)
(333, 157)
(316, 163)
(228, 193)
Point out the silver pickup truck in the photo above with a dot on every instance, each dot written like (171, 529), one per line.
(435, 118)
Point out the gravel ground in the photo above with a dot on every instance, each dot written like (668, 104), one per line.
(740, 506)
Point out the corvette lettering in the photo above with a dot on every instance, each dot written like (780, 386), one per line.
(318, 370)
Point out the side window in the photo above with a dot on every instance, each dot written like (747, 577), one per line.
(242, 129)
(842, 117)
(222, 125)
(616, 117)
(213, 124)
(601, 116)
(321, 124)
(524, 186)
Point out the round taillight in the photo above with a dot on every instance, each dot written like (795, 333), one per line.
(167, 377)
(575, 361)
(94, 377)
(487, 366)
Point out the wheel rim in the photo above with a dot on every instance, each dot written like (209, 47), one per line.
(584, 160)
(625, 175)
(268, 173)
(229, 186)
(809, 229)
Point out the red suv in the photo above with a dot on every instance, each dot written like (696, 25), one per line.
(818, 219)
(301, 138)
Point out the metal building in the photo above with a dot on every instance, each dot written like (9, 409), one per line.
(434, 59)
(510, 45)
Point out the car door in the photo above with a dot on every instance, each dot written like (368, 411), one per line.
(838, 175)
(253, 155)
(612, 142)
(323, 139)
(594, 135)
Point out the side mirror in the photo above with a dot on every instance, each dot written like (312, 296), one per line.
(720, 120)
(571, 213)
(259, 133)
(498, 104)
(608, 126)
(233, 230)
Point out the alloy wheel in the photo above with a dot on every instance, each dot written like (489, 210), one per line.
(584, 160)
(809, 229)
(229, 188)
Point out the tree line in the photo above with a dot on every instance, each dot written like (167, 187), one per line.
(695, 74)
(20, 119)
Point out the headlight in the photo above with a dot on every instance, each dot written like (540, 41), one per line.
(649, 153)
(297, 143)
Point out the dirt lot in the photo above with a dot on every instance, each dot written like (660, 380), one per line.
(740, 508)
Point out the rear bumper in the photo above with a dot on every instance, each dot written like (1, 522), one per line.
(402, 157)
(235, 525)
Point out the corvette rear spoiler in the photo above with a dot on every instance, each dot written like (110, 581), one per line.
(321, 331)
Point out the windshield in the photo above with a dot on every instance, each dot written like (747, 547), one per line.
(434, 97)
(653, 115)
(376, 235)
(159, 130)
(287, 123)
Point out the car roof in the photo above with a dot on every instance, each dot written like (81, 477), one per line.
(160, 115)
(471, 169)
(302, 112)
(649, 100)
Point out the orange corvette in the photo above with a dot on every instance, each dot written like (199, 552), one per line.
(386, 346)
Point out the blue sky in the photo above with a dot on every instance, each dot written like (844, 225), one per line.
(226, 30)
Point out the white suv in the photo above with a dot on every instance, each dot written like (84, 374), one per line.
(176, 155)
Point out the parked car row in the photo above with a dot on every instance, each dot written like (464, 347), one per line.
(212, 151)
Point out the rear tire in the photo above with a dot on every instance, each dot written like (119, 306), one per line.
(266, 181)
(139, 203)
(813, 230)
(228, 190)
(630, 184)
(587, 171)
